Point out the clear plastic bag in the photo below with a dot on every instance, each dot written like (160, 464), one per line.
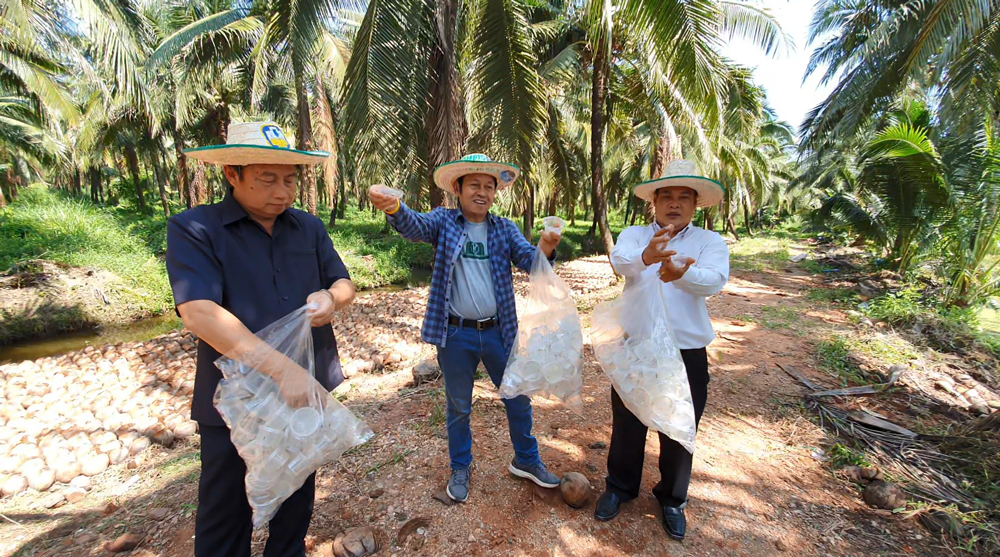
(547, 358)
(283, 428)
(635, 344)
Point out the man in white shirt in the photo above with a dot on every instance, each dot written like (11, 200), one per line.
(645, 253)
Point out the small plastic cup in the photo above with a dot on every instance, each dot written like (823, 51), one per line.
(680, 260)
(386, 190)
(554, 224)
(305, 421)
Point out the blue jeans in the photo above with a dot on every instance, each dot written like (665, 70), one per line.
(459, 360)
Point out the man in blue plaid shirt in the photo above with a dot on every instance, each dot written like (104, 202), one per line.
(471, 314)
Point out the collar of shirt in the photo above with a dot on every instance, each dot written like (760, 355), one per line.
(460, 218)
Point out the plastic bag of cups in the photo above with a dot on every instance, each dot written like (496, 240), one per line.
(281, 445)
(635, 345)
(547, 358)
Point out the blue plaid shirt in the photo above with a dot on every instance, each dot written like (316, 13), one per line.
(445, 229)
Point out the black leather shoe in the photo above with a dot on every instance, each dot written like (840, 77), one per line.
(674, 522)
(608, 506)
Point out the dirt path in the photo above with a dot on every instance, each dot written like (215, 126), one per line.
(759, 486)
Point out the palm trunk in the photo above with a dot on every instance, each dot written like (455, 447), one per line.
(529, 213)
(76, 182)
(199, 193)
(183, 183)
(598, 94)
(161, 183)
(95, 184)
(447, 128)
(132, 160)
(328, 135)
(746, 218)
(304, 140)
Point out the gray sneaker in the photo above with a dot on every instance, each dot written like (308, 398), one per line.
(537, 473)
(458, 485)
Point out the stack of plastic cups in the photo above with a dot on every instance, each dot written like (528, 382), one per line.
(553, 224)
(386, 190)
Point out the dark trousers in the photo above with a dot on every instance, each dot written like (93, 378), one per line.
(628, 443)
(223, 526)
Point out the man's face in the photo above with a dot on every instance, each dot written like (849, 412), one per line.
(264, 190)
(477, 193)
(676, 206)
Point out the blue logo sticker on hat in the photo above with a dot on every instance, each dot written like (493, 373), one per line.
(274, 136)
(507, 176)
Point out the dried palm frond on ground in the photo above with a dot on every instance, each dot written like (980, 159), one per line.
(951, 472)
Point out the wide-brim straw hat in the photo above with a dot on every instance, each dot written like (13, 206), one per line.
(255, 143)
(684, 174)
(446, 176)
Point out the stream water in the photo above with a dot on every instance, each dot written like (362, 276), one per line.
(144, 330)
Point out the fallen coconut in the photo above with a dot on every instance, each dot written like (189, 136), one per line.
(95, 464)
(884, 495)
(67, 470)
(82, 482)
(10, 464)
(74, 494)
(575, 489)
(31, 465)
(14, 485)
(118, 456)
(356, 542)
(138, 446)
(41, 480)
(186, 429)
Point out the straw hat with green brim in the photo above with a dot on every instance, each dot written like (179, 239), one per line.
(446, 176)
(684, 174)
(255, 143)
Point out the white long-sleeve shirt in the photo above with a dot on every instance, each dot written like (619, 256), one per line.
(685, 296)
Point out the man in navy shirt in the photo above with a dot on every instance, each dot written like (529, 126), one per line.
(236, 267)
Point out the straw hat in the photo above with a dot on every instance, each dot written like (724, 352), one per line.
(255, 143)
(446, 176)
(684, 174)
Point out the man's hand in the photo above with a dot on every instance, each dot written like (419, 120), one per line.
(381, 201)
(299, 389)
(656, 251)
(669, 271)
(549, 242)
(322, 312)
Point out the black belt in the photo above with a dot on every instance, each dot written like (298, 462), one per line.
(477, 324)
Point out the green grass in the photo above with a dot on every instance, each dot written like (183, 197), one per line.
(835, 358)
(989, 320)
(779, 317)
(839, 356)
(841, 455)
(761, 253)
(847, 296)
(949, 329)
(44, 224)
(375, 254)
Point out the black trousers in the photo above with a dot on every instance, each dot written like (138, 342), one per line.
(628, 443)
(223, 527)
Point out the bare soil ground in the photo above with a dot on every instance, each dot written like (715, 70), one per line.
(760, 486)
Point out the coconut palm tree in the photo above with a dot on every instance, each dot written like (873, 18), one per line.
(879, 49)
(429, 80)
(682, 38)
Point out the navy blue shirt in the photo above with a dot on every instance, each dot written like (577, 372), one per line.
(218, 253)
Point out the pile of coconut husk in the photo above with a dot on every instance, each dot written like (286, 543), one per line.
(66, 419)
